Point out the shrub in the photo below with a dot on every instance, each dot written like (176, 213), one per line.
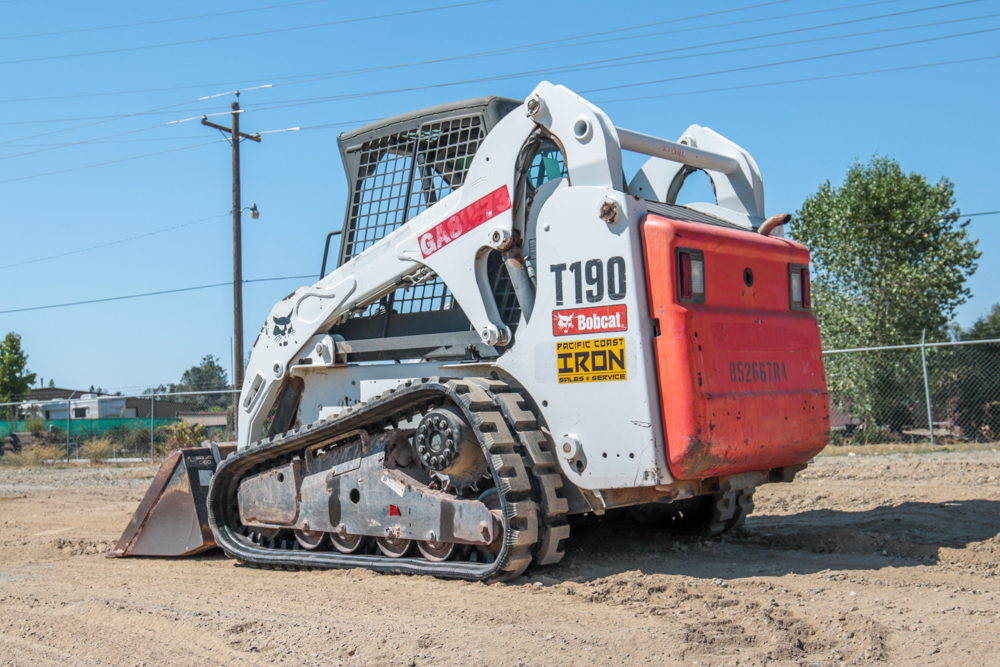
(98, 450)
(35, 426)
(185, 435)
(37, 455)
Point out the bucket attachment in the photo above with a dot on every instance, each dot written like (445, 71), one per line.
(172, 519)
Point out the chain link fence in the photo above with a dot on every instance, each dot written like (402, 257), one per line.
(113, 428)
(922, 393)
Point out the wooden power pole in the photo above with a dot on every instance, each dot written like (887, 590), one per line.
(235, 136)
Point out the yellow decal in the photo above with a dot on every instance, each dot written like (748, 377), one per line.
(599, 360)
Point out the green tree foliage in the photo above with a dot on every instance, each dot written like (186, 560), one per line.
(879, 284)
(971, 386)
(209, 375)
(882, 284)
(15, 380)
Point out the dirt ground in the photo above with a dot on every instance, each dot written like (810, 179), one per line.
(886, 559)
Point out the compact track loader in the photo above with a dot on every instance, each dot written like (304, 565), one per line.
(513, 336)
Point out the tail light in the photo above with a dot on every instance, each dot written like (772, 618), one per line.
(798, 287)
(690, 276)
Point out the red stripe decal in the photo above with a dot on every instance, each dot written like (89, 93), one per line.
(465, 221)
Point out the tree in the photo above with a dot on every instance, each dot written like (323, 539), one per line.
(209, 375)
(876, 284)
(882, 284)
(973, 385)
(15, 380)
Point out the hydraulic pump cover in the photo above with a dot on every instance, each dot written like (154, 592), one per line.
(739, 360)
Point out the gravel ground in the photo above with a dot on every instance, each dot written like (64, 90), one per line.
(863, 560)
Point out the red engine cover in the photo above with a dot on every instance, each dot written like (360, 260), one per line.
(741, 377)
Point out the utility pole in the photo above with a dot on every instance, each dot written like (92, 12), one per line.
(235, 136)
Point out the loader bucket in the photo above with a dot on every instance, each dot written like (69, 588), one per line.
(172, 519)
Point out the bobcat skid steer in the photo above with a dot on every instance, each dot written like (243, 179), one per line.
(513, 335)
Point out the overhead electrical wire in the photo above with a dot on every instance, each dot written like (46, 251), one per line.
(101, 164)
(791, 81)
(523, 48)
(591, 43)
(587, 66)
(258, 33)
(111, 243)
(172, 150)
(321, 100)
(109, 119)
(160, 21)
(792, 61)
(278, 104)
(145, 294)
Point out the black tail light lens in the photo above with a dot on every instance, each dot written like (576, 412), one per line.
(798, 287)
(690, 276)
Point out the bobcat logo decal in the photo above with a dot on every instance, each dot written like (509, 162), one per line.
(565, 321)
(283, 328)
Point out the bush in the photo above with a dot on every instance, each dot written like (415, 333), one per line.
(35, 426)
(98, 450)
(37, 455)
(185, 435)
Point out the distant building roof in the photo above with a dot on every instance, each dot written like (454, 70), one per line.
(55, 393)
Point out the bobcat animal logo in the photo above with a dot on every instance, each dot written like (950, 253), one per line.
(565, 321)
(283, 328)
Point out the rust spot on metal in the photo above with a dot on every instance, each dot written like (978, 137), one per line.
(609, 213)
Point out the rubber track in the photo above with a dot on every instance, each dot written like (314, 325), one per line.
(533, 510)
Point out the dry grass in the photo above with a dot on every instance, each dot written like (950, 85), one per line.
(98, 450)
(919, 448)
(33, 456)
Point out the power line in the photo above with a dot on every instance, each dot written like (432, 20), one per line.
(790, 81)
(101, 164)
(278, 104)
(145, 294)
(609, 101)
(591, 43)
(524, 48)
(792, 61)
(109, 141)
(111, 243)
(158, 21)
(172, 150)
(578, 67)
(247, 34)
(107, 119)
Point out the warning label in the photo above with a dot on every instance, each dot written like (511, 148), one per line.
(600, 360)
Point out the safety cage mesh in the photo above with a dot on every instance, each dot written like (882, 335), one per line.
(403, 167)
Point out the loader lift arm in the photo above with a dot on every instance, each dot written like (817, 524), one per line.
(452, 238)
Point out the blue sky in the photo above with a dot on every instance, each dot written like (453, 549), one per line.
(88, 84)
